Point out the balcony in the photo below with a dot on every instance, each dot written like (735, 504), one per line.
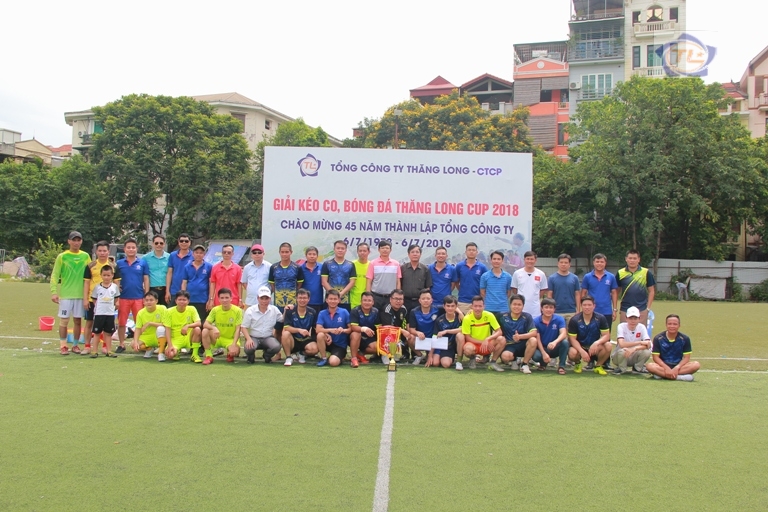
(596, 49)
(762, 102)
(656, 71)
(87, 139)
(654, 29)
(589, 93)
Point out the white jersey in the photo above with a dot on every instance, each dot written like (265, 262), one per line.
(104, 299)
(639, 334)
(530, 286)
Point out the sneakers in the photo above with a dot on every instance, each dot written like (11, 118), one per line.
(86, 352)
(250, 358)
(208, 360)
(64, 351)
(686, 378)
(94, 354)
(495, 367)
(577, 367)
(472, 363)
(160, 357)
(599, 370)
(322, 362)
(642, 371)
(590, 366)
(76, 350)
(354, 362)
(302, 359)
(617, 371)
(119, 350)
(218, 352)
(384, 360)
(111, 354)
(149, 353)
(514, 365)
(288, 361)
(525, 369)
(459, 366)
(362, 359)
(230, 358)
(417, 360)
(195, 358)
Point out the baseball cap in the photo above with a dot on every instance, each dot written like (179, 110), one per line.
(265, 292)
(633, 311)
(257, 247)
(75, 234)
(198, 246)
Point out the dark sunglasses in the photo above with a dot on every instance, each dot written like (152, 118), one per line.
(256, 251)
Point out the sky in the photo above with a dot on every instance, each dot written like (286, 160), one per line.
(332, 63)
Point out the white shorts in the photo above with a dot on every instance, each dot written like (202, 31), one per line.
(71, 308)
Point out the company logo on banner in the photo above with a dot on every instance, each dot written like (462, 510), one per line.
(686, 56)
(309, 165)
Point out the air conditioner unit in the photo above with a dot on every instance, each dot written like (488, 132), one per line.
(575, 86)
(79, 134)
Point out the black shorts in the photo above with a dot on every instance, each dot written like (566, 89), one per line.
(200, 307)
(160, 291)
(364, 342)
(517, 349)
(447, 352)
(89, 313)
(299, 346)
(103, 323)
(335, 350)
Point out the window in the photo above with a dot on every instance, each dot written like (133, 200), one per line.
(673, 55)
(544, 97)
(635, 17)
(655, 13)
(653, 58)
(239, 117)
(673, 14)
(268, 124)
(97, 128)
(636, 58)
(595, 87)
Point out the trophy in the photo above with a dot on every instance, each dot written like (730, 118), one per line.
(386, 344)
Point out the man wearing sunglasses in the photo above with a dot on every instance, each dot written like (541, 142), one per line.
(178, 259)
(225, 274)
(255, 275)
(158, 268)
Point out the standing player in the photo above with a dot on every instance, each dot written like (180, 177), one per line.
(255, 275)
(361, 270)
(415, 278)
(602, 286)
(299, 340)
(482, 334)
(383, 276)
(225, 274)
(448, 325)
(332, 331)
(363, 322)
(157, 261)
(150, 332)
(106, 297)
(672, 353)
(69, 268)
(196, 281)
(468, 273)
(443, 276)
(552, 337)
(182, 328)
(496, 286)
(589, 336)
(177, 260)
(633, 345)
(313, 279)
(339, 274)
(285, 278)
(221, 329)
(134, 283)
(564, 288)
(91, 278)
(531, 283)
(637, 287)
(519, 336)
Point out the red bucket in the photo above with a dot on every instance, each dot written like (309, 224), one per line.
(47, 323)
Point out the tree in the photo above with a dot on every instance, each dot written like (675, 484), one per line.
(170, 162)
(662, 170)
(25, 209)
(453, 123)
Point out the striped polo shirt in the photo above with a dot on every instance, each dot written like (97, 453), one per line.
(383, 275)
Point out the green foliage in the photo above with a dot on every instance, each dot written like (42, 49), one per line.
(759, 292)
(25, 209)
(737, 291)
(44, 257)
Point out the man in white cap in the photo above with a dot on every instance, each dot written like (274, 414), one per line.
(255, 275)
(633, 345)
(258, 327)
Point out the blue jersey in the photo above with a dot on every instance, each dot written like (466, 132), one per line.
(443, 324)
(442, 282)
(339, 319)
(424, 322)
(132, 278)
(496, 291)
(292, 318)
(339, 275)
(198, 280)
(358, 317)
(587, 333)
(469, 279)
(521, 325)
(177, 264)
(312, 283)
(600, 290)
(564, 290)
(671, 352)
(549, 332)
(286, 281)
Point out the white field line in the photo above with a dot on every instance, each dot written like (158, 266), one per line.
(381, 492)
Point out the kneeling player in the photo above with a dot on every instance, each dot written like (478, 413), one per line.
(672, 354)
(589, 335)
(332, 331)
(150, 333)
(298, 338)
(552, 337)
(363, 321)
(182, 328)
(448, 325)
(519, 335)
(482, 334)
(222, 328)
